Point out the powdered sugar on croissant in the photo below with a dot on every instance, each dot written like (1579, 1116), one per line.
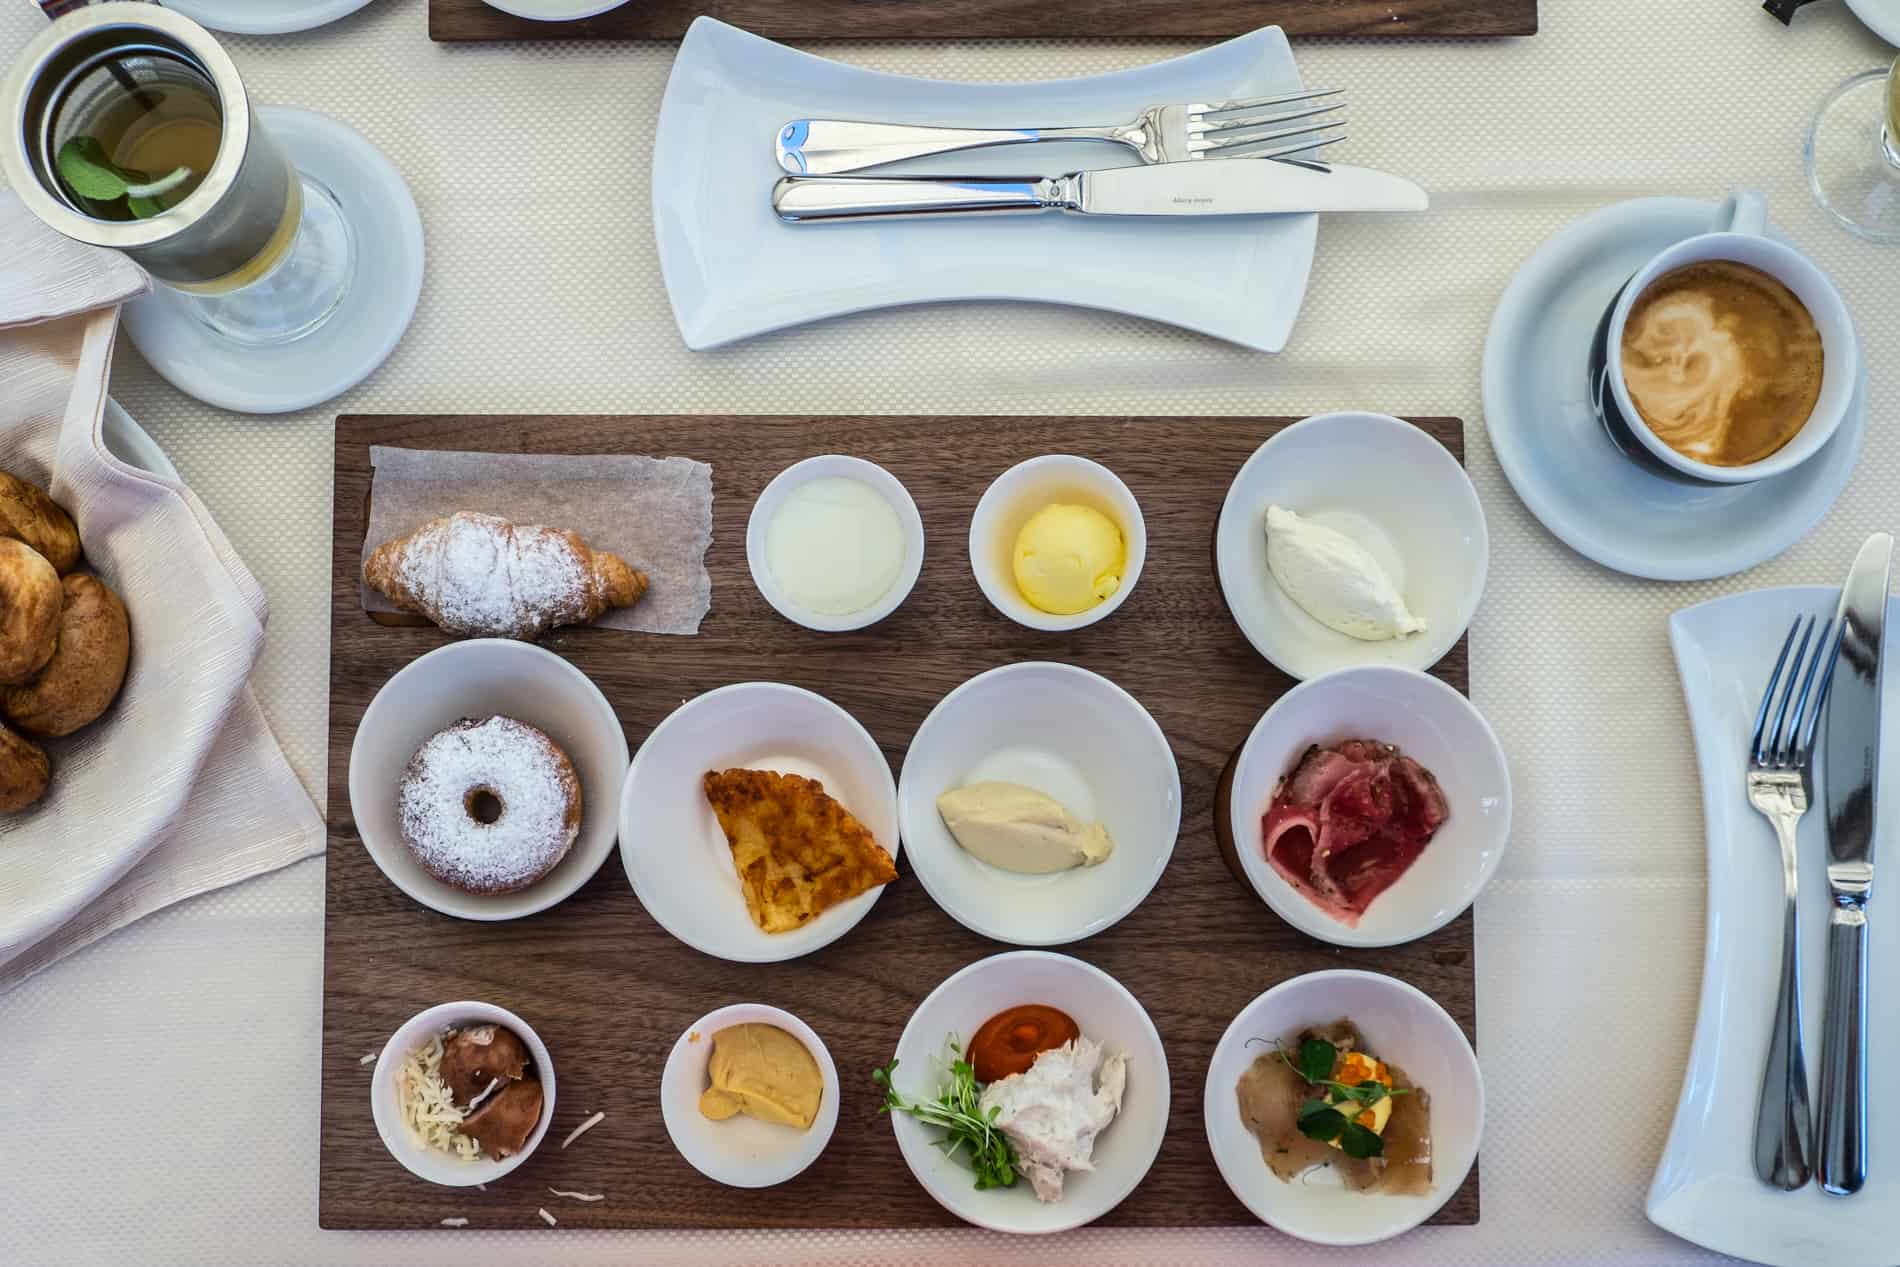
(480, 575)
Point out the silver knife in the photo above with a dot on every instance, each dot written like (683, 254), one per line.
(1853, 778)
(1251, 188)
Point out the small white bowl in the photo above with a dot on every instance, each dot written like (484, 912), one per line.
(1074, 736)
(483, 677)
(425, 1162)
(1393, 489)
(1020, 492)
(834, 466)
(1400, 1025)
(554, 10)
(742, 1152)
(1107, 1013)
(1435, 726)
(676, 856)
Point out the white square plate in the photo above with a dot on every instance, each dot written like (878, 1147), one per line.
(734, 270)
(1705, 1188)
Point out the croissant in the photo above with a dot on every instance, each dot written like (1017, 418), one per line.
(479, 575)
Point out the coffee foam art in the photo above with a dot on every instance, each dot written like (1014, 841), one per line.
(1684, 369)
(1723, 362)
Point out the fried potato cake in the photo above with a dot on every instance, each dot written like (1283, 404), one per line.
(798, 852)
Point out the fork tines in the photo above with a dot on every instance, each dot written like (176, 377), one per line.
(1256, 127)
(1789, 741)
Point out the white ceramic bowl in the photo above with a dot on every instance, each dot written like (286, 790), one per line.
(483, 677)
(1107, 1013)
(1074, 736)
(1390, 487)
(1400, 1025)
(554, 10)
(742, 1152)
(1020, 492)
(427, 1163)
(1435, 726)
(676, 855)
(834, 466)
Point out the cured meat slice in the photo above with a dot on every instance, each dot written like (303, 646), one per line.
(1348, 821)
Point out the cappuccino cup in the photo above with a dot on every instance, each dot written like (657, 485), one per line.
(1728, 358)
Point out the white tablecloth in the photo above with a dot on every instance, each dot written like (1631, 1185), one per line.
(160, 1099)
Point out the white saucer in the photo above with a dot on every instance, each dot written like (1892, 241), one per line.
(1882, 17)
(1556, 454)
(264, 17)
(554, 10)
(356, 338)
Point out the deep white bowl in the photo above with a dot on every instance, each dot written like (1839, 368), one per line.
(1400, 1025)
(427, 1163)
(742, 1152)
(1388, 485)
(676, 856)
(1105, 1012)
(834, 466)
(1072, 735)
(554, 10)
(483, 677)
(1020, 492)
(1435, 726)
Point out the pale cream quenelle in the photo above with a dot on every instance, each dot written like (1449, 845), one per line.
(1335, 580)
(1020, 829)
(835, 546)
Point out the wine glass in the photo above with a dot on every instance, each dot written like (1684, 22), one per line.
(1853, 154)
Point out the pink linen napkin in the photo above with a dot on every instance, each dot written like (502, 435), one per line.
(181, 787)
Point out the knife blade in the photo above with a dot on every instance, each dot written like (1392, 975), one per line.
(1852, 786)
(1234, 187)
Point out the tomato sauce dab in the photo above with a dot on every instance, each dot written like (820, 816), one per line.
(1010, 1041)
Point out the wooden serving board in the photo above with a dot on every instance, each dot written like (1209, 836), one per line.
(610, 991)
(457, 20)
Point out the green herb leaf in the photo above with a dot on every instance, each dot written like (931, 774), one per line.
(1317, 1058)
(87, 171)
(144, 208)
(1319, 1120)
(1357, 1141)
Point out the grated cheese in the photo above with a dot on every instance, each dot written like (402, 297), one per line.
(545, 1216)
(454, 1222)
(579, 1196)
(428, 1109)
(368, 1058)
(583, 1128)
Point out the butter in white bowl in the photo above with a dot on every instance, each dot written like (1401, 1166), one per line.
(1335, 579)
(1020, 829)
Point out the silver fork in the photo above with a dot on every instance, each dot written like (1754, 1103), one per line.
(1780, 784)
(1252, 127)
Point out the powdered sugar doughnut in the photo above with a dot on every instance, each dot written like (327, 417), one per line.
(489, 806)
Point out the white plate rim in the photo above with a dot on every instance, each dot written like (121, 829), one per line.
(1166, 1080)
(229, 18)
(1208, 1101)
(976, 923)
(1231, 510)
(1297, 911)
(1501, 343)
(700, 332)
(841, 920)
(577, 9)
(1883, 19)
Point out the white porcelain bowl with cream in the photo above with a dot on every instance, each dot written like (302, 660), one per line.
(676, 856)
(1393, 490)
(1429, 722)
(765, 522)
(1019, 493)
(1074, 736)
(1398, 1024)
(483, 677)
(386, 1105)
(742, 1152)
(1105, 1012)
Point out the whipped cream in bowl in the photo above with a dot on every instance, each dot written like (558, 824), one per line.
(1349, 539)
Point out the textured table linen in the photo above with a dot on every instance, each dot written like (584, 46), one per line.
(543, 294)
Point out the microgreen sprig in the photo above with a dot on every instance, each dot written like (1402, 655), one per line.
(965, 1124)
(1319, 1118)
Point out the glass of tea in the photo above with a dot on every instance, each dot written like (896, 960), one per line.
(1853, 154)
(130, 128)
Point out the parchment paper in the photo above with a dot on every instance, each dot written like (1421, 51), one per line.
(656, 513)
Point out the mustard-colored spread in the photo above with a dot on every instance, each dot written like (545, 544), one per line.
(763, 1072)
